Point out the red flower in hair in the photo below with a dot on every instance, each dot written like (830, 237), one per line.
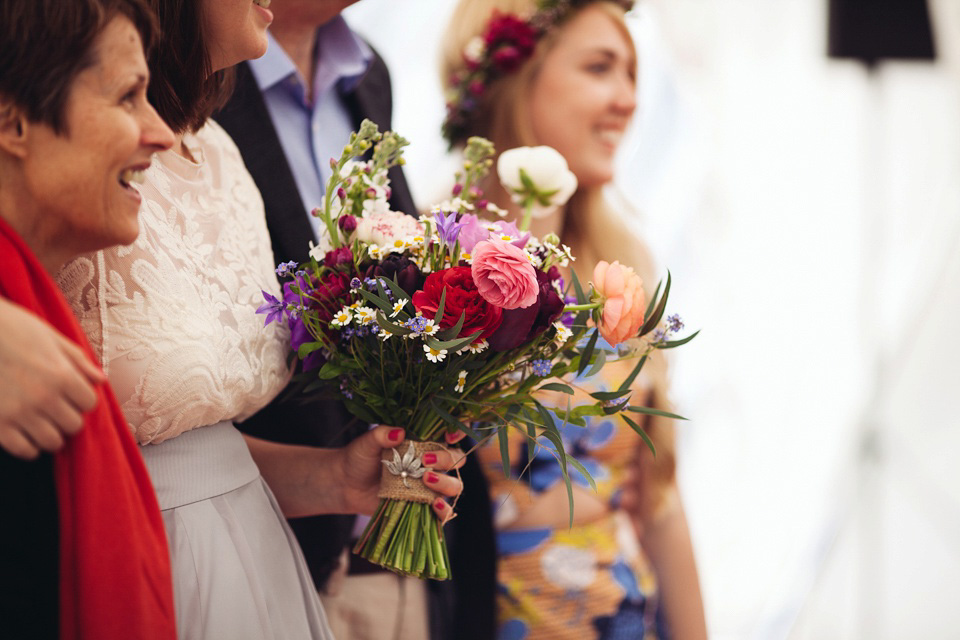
(510, 40)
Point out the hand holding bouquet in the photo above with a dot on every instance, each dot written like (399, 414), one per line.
(454, 322)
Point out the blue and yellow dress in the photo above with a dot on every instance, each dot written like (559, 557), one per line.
(589, 581)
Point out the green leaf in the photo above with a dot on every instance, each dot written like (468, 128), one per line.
(504, 449)
(587, 352)
(531, 440)
(587, 410)
(654, 412)
(382, 303)
(581, 297)
(586, 474)
(654, 318)
(438, 316)
(397, 290)
(554, 437)
(628, 382)
(329, 371)
(392, 327)
(307, 348)
(598, 363)
(453, 422)
(643, 435)
(557, 386)
(526, 181)
(670, 344)
(653, 301)
(456, 343)
(604, 396)
(452, 332)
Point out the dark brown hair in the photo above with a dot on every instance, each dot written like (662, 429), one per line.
(182, 88)
(44, 44)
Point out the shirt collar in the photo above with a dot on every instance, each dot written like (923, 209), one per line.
(342, 57)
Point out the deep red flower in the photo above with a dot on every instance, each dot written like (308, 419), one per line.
(462, 298)
(510, 40)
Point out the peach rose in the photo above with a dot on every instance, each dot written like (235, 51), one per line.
(504, 274)
(625, 302)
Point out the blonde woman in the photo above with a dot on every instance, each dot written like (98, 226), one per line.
(563, 73)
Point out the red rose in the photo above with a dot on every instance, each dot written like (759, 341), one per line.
(462, 298)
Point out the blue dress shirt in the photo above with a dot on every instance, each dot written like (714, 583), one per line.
(313, 129)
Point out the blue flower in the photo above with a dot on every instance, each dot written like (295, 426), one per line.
(674, 323)
(541, 367)
(417, 323)
(286, 268)
(355, 283)
(273, 308)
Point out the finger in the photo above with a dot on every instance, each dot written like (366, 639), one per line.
(92, 372)
(453, 437)
(444, 460)
(443, 510)
(442, 483)
(80, 391)
(64, 416)
(386, 437)
(16, 444)
(42, 433)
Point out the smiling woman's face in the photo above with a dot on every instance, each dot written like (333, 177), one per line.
(79, 182)
(583, 97)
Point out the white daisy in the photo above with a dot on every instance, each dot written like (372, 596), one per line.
(434, 355)
(398, 307)
(341, 318)
(563, 333)
(461, 381)
(430, 329)
(478, 347)
(365, 315)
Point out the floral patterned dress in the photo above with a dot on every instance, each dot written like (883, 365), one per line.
(589, 581)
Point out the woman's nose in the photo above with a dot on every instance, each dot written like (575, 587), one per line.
(155, 131)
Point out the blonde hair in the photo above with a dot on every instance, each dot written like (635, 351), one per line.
(591, 226)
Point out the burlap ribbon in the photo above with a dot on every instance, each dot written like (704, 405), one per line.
(393, 487)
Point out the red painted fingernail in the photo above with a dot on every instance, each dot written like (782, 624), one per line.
(431, 478)
(439, 504)
(395, 435)
(429, 458)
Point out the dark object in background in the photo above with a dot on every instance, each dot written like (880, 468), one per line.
(874, 30)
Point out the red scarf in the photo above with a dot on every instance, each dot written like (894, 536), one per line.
(115, 579)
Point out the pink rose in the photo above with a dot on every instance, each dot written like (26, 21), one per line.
(504, 275)
(624, 303)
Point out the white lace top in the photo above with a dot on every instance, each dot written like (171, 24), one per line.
(172, 316)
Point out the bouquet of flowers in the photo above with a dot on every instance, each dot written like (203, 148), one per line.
(454, 322)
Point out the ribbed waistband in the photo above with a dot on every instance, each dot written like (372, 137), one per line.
(199, 464)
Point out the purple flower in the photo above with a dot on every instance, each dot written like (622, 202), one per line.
(355, 283)
(448, 227)
(674, 323)
(273, 308)
(475, 230)
(286, 268)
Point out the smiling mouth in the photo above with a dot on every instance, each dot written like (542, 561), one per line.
(132, 176)
(262, 3)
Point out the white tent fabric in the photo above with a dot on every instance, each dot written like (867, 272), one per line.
(810, 216)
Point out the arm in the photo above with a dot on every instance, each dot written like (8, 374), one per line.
(312, 481)
(666, 541)
(46, 384)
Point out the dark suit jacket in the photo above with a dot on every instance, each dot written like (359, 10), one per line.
(468, 599)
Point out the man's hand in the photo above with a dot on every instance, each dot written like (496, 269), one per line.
(47, 383)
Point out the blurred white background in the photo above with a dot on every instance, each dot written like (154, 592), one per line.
(810, 216)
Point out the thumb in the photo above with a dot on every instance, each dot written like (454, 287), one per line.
(382, 437)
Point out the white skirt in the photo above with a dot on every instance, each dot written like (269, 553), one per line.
(238, 572)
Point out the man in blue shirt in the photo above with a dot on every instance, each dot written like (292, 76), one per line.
(294, 109)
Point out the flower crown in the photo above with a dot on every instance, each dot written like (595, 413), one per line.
(508, 41)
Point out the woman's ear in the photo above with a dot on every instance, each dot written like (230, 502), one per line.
(14, 129)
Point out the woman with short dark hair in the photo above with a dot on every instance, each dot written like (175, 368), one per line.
(85, 554)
